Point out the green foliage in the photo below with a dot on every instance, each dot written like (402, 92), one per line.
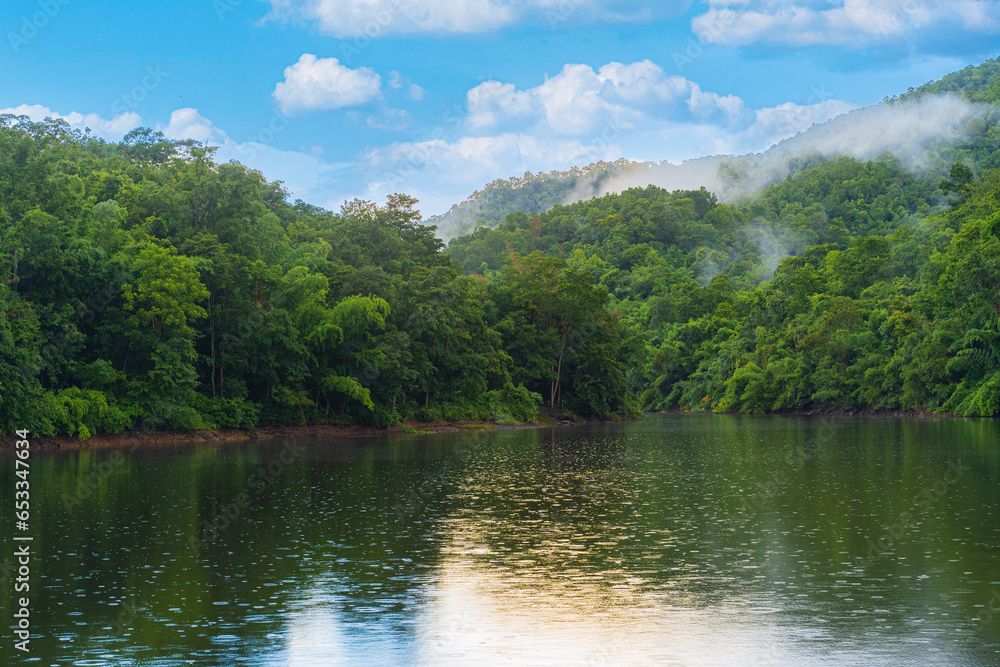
(533, 193)
(349, 387)
(81, 412)
(146, 286)
(166, 292)
(513, 405)
(143, 285)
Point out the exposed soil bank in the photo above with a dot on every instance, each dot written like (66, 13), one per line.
(152, 439)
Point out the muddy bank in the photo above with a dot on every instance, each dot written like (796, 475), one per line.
(152, 439)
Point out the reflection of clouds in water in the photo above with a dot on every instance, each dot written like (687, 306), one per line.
(488, 607)
(587, 548)
(545, 568)
(315, 636)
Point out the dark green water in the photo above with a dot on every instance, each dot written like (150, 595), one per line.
(681, 540)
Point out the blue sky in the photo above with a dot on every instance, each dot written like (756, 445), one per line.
(361, 98)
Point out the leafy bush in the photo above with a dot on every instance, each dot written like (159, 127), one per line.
(82, 412)
(513, 404)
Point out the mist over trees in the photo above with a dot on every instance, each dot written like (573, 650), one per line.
(144, 285)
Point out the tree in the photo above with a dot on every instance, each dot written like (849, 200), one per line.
(166, 292)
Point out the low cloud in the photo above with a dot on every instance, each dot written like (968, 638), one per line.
(471, 160)
(109, 129)
(911, 130)
(321, 84)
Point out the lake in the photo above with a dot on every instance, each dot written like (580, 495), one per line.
(680, 540)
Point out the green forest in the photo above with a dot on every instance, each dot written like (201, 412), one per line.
(145, 286)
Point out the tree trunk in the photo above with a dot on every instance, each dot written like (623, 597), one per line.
(211, 333)
(222, 358)
(556, 387)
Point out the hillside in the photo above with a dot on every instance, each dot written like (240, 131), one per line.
(928, 128)
(531, 193)
(143, 285)
(850, 284)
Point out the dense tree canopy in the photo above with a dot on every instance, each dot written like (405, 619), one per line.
(144, 285)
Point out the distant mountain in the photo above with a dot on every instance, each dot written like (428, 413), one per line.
(928, 128)
(532, 193)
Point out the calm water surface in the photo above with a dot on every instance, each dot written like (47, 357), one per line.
(679, 540)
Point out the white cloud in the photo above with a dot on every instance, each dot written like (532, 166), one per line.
(580, 116)
(773, 124)
(474, 160)
(491, 100)
(110, 129)
(187, 123)
(371, 19)
(580, 101)
(849, 23)
(323, 83)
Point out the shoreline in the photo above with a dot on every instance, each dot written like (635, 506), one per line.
(853, 413)
(173, 438)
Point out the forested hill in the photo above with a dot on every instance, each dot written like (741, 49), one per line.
(143, 285)
(848, 285)
(976, 83)
(834, 289)
(532, 193)
(929, 128)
